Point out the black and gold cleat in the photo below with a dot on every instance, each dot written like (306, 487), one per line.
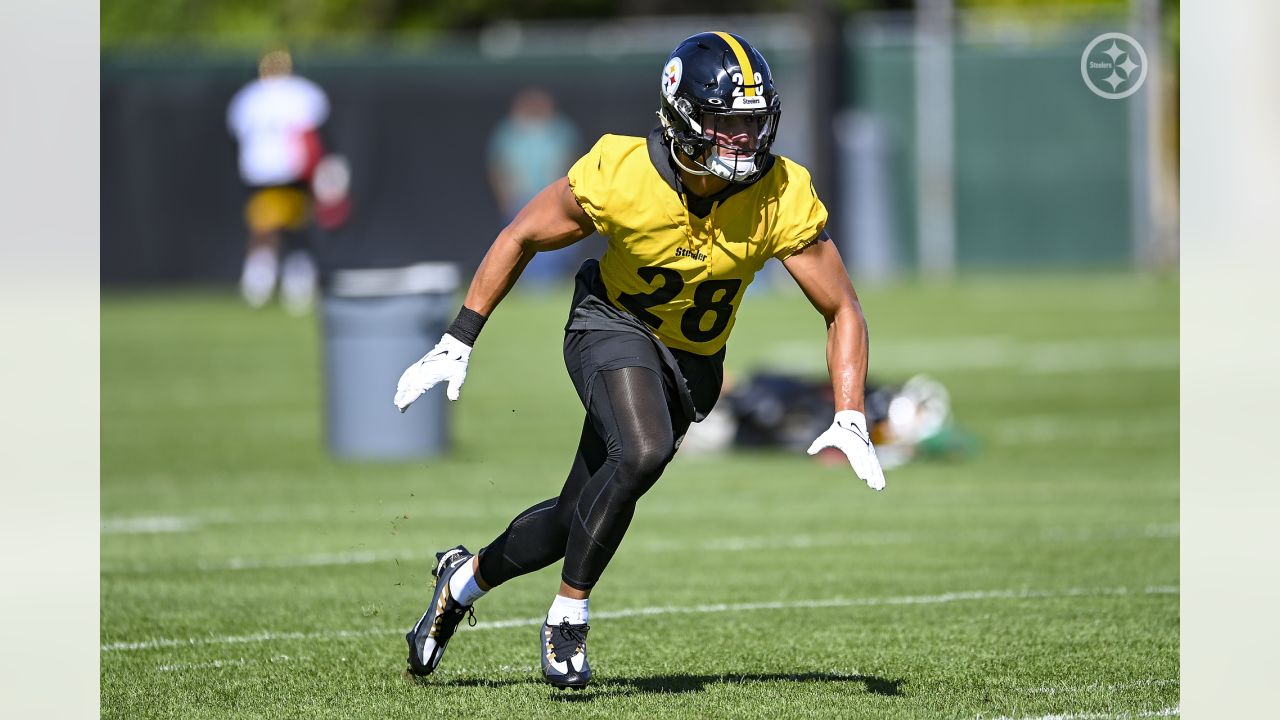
(427, 639)
(564, 655)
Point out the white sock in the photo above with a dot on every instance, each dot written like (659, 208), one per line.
(298, 282)
(463, 585)
(563, 607)
(258, 279)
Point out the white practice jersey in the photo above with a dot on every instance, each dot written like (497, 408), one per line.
(269, 117)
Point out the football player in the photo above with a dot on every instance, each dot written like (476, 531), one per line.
(691, 213)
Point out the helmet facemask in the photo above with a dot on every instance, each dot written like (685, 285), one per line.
(730, 145)
(738, 144)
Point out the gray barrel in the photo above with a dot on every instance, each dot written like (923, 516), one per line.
(376, 324)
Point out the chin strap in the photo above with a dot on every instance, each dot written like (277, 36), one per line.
(676, 156)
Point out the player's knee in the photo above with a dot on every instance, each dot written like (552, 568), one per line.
(639, 464)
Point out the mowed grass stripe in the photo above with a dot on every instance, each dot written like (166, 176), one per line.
(944, 598)
(730, 544)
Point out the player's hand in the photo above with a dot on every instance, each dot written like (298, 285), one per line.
(849, 434)
(446, 361)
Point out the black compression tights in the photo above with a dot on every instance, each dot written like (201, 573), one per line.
(627, 440)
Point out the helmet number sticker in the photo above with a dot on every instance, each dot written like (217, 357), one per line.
(747, 102)
(738, 83)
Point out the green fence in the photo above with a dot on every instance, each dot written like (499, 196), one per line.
(1042, 166)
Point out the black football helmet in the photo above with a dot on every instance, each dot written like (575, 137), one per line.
(719, 107)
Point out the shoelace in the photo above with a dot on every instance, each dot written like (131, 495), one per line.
(438, 627)
(470, 611)
(567, 638)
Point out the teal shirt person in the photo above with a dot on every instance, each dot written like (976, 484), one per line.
(529, 149)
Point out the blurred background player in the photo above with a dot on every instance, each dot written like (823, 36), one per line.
(529, 149)
(645, 342)
(276, 120)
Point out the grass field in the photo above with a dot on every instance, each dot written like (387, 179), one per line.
(245, 574)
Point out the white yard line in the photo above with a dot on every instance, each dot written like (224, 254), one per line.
(1094, 687)
(266, 636)
(271, 636)
(722, 544)
(998, 352)
(126, 524)
(211, 665)
(1043, 429)
(1165, 712)
(150, 524)
(313, 560)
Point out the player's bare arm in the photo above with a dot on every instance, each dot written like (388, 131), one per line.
(820, 273)
(552, 220)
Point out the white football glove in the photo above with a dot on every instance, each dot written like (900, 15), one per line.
(849, 434)
(446, 361)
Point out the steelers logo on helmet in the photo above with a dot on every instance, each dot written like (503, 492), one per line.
(720, 115)
(671, 76)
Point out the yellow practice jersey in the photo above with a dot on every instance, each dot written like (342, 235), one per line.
(685, 276)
